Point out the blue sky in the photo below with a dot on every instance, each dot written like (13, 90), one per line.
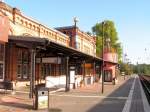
(131, 17)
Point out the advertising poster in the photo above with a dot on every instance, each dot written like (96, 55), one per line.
(43, 102)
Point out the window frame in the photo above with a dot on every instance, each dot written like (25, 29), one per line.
(23, 62)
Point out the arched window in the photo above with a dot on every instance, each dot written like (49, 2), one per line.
(22, 22)
(46, 32)
(33, 27)
(30, 26)
(26, 23)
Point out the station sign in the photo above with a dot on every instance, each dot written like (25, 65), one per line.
(54, 60)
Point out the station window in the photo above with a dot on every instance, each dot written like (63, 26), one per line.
(1, 52)
(107, 75)
(46, 70)
(78, 46)
(56, 69)
(23, 69)
(51, 70)
(86, 49)
(1, 70)
(2, 49)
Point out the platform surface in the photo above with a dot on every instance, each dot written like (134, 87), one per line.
(126, 96)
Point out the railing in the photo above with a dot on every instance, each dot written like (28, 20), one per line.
(145, 80)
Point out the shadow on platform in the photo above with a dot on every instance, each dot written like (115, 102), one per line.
(54, 110)
(115, 101)
(17, 105)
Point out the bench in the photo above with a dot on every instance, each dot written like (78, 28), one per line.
(6, 85)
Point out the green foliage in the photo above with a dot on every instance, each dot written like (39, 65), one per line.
(89, 33)
(98, 46)
(127, 68)
(109, 32)
(142, 69)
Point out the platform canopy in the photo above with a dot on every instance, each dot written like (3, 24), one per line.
(51, 47)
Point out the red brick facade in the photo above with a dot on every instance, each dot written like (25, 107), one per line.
(4, 27)
(11, 62)
(79, 39)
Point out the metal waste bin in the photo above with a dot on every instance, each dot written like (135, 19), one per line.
(41, 98)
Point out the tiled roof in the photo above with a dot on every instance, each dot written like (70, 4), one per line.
(65, 27)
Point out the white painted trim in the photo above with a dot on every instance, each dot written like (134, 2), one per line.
(90, 96)
(128, 102)
(51, 92)
(144, 99)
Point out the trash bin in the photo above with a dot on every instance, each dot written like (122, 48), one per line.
(113, 81)
(41, 98)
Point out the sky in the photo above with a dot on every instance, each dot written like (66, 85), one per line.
(131, 18)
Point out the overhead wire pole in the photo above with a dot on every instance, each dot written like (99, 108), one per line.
(103, 57)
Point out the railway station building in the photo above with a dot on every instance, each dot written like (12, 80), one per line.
(32, 53)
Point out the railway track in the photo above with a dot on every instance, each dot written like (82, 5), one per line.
(145, 81)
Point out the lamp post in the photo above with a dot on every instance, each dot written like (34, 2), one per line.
(103, 57)
(75, 19)
(108, 44)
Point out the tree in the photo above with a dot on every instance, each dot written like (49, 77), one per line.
(89, 33)
(142, 69)
(109, 32)
(127, 68)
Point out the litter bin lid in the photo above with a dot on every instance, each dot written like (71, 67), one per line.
(42, 89)
(42, 93)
